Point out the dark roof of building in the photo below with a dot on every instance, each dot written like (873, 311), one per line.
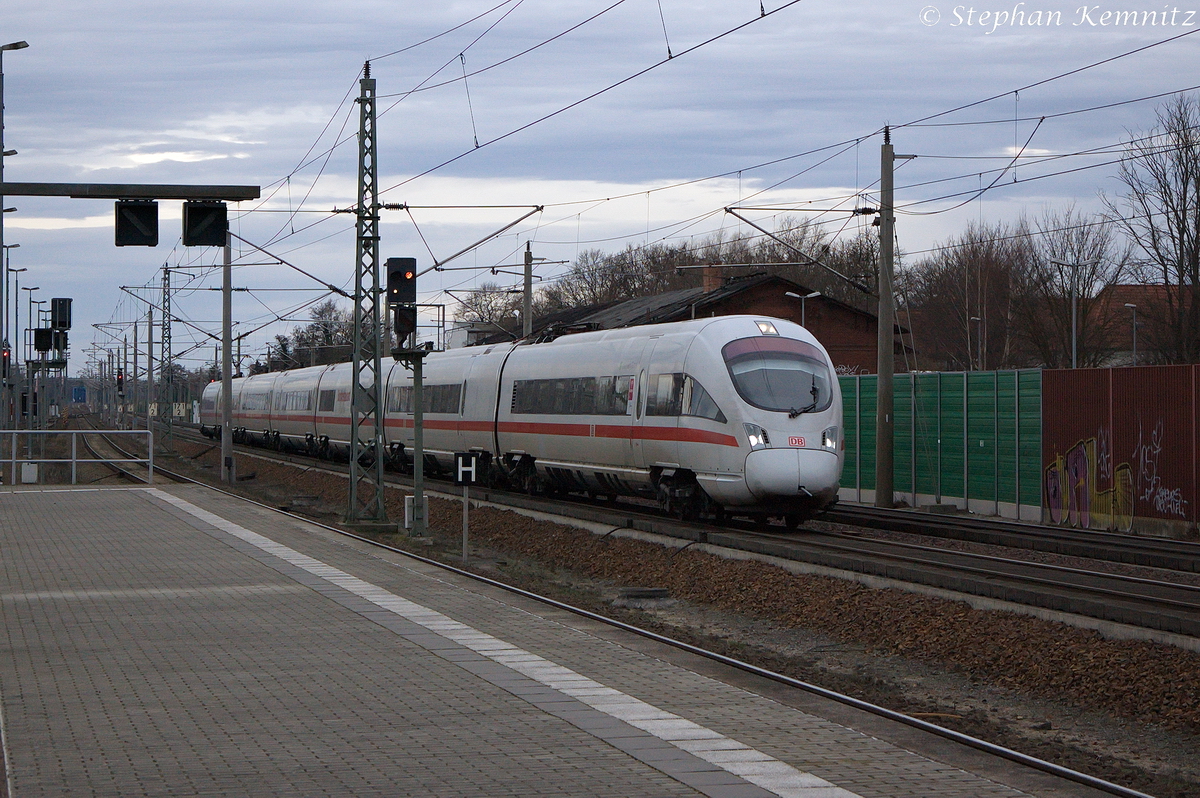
(671, 306)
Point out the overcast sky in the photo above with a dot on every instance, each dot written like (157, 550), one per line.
(785, 110)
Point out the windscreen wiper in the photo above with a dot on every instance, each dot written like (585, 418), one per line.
(794, 412)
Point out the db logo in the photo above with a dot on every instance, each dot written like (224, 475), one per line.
(795, 441)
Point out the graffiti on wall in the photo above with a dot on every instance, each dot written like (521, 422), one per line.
(1150, 488)
(1073, 492)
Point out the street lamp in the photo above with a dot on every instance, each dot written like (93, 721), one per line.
(28, 339)
(1133, 307)
(4, 288)
(794, 295)
(4, 272)
(1074, 267)
(4, 152)
(980, 341)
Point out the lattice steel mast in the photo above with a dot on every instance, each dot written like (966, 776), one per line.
(167, 381)
(366, 393)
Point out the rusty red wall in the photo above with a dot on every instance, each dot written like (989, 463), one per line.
(1119, 447)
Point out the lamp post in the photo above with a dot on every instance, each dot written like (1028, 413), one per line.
(12, 412)
(979, 344)
(1074, 267)
(803, 299)
(1133, 307)
(5, 396)
(3, 152)
(27, 340)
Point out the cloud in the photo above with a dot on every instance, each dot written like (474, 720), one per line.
(57, 222)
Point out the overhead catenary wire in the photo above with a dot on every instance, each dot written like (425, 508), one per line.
(960, 107)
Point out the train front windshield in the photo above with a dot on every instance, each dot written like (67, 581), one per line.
(775, 373)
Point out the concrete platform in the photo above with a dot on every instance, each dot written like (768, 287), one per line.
(177, 641)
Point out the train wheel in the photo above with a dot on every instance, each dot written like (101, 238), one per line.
(793, 520)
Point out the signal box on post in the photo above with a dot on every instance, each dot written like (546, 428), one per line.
(43, 339)
(136, 223)
(205, 224)
(60, 313)
(402, 295)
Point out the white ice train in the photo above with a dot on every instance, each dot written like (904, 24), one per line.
(736, 415)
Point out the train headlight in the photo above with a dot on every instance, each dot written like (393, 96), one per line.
(757, 437)
(829, 438)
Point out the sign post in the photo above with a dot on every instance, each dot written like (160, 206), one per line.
(465, 467)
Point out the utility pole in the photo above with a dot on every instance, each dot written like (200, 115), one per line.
(886, 364)
(228, 472)
(133, 380)
(366, 504)
(1133, 307)
(150, 372)
(527, 306)
(124, 379)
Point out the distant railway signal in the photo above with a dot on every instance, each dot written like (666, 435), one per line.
(60, 313)
(402, 295)
(43, 339)
(136, 223)
(205, 224)
(402, 281)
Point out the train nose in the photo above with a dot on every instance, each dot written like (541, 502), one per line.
(791, 472)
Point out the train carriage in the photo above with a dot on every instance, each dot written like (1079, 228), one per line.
(736, 414)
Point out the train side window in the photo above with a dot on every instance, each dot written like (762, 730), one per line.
(399, 399)
(641, 388)
(327, 400)
(697, 402)
(664, 395)
(441, 398)
(573, 396)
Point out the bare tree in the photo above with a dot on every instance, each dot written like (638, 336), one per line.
(1073, 257)
(1160, 213)
(596, 278)
(331, 325)
(961, 299)
(492, 305)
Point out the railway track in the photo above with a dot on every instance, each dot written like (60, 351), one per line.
(1175, 555)
(101, 457)
(1161, 603)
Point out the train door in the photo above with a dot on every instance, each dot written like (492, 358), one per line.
(657, 416)
(632, 367)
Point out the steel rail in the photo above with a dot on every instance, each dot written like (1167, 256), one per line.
(1097, 544)
(1042, 591)
(951, 553)
(1031, 579)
